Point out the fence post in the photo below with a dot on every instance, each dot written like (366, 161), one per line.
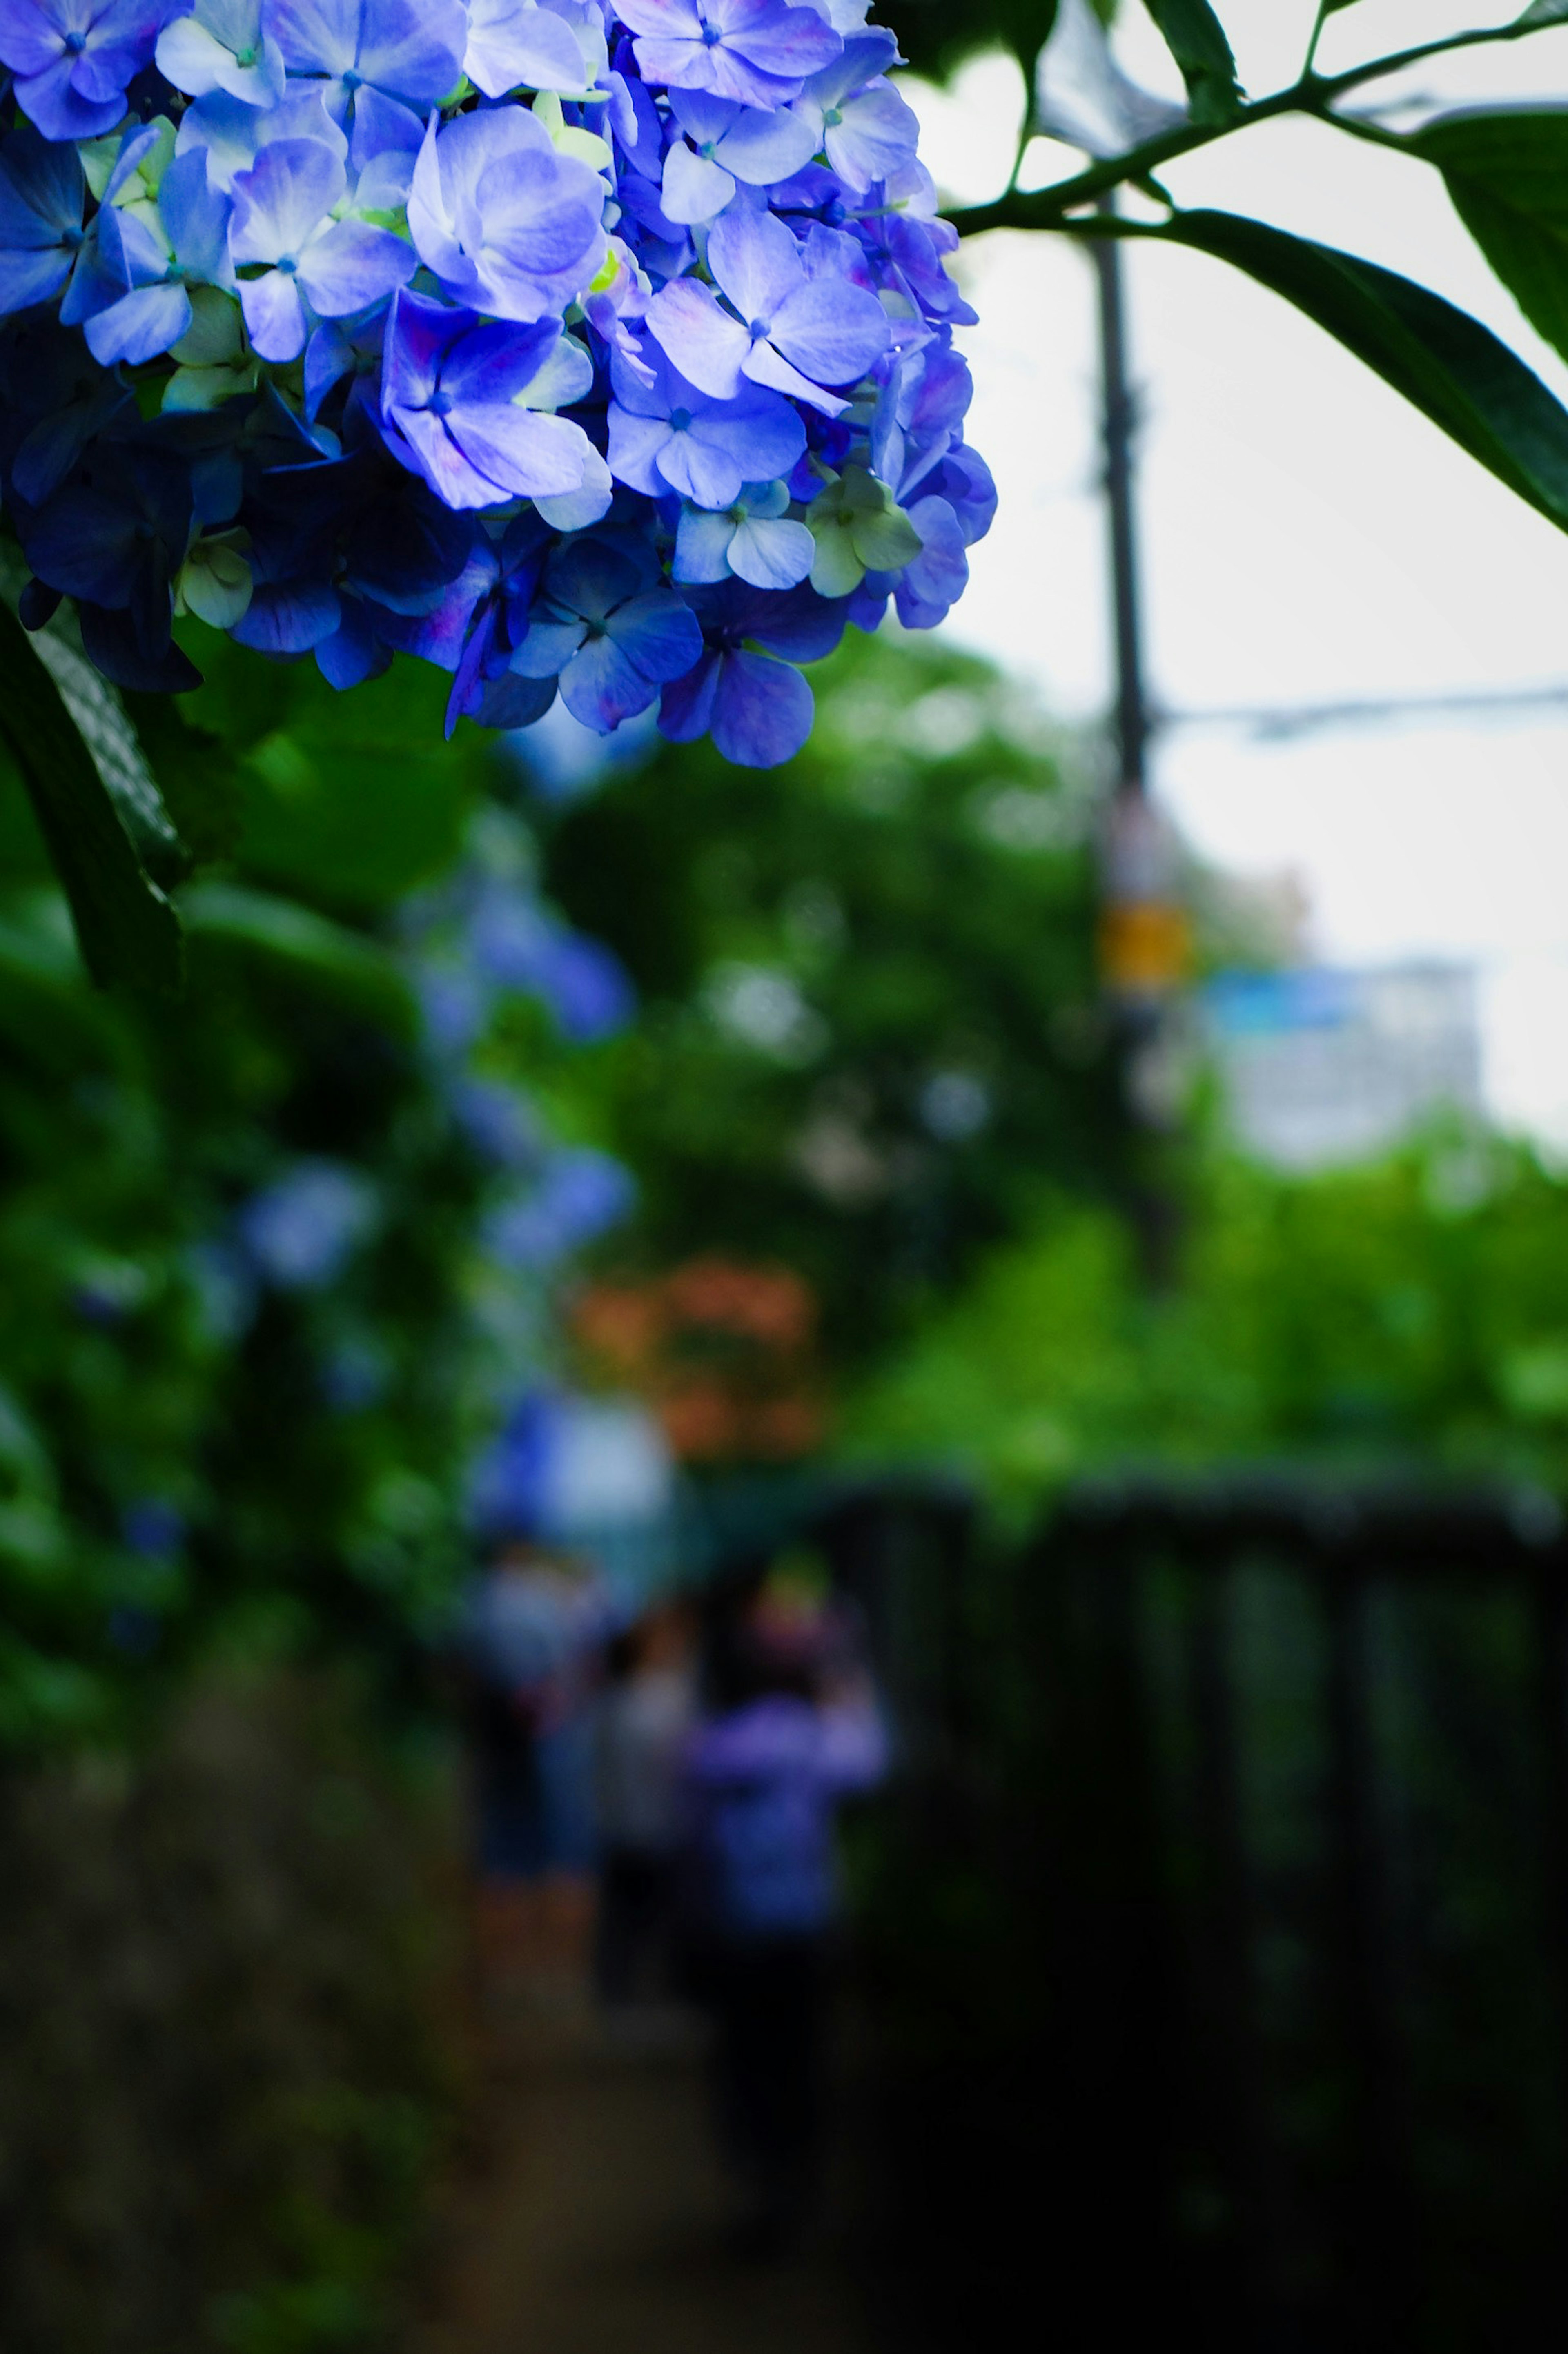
(1378, 2227)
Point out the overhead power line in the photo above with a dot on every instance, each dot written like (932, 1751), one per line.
(1278, 723)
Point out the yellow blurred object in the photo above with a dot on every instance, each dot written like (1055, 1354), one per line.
(1145, 947)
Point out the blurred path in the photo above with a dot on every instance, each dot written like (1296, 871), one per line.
(598, 2223)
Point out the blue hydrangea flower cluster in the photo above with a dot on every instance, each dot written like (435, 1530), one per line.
(467, 948)
(591, 347)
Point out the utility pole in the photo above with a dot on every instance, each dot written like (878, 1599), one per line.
(1118, 422)
(1144, 941)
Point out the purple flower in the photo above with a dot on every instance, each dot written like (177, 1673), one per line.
(503, 221)
(72, 60)
(517, 946)
(154, 1528)
(802, 325)
(751, 539)
(581, 1194)
(964, 480)
(113, 537)
(906, 256)
(283, 218)
(939, 575)
(757, 710)
(730, 142)
(232, 134)
(919, 415)
(406, 51)
(450, 386)
(497, 1121)
(300, 1230)
(453, 473)
(868, 132)
(667, 436)
(42, 194)
(221, 45)
(515, 44)
(612, 639)
(758, 51)
(131, 296)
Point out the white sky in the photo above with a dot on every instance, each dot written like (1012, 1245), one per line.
(1307, 536)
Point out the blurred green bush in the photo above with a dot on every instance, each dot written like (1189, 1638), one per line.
(871, 1037)
(248, 1320)
(1411, 1313)
(223, 2072)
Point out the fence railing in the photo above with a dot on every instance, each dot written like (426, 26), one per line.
(1272, 1779)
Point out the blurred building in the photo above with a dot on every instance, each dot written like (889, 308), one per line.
(1321, 1066)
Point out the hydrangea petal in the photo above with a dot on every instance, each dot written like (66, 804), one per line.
(139, 326)
(762, 711)
(274, 315)
(694, 189)
(353, 266)
(514, 43)
(708, 346)
(771, 554)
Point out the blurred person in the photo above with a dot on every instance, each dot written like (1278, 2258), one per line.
(533, 1626)
(792, 1728)
(642, 1721)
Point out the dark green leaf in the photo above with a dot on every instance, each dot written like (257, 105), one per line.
(327, 957)
(126, 928)
(1453, 369)
(101, 718)
(1543, 12)
(195, 773)
(1196, 39)
(1508, 176)
(937, 37)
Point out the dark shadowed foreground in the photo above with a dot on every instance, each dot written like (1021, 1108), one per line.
(599, 2221)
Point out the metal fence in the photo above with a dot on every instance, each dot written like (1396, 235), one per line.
(1259, 1791)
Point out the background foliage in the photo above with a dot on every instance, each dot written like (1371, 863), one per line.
(1406, 1315)
(870, 1035)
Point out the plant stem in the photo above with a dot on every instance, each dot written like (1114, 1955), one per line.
(1325, 10)
(1313, 94)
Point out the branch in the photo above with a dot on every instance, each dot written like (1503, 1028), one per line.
(1313, 94)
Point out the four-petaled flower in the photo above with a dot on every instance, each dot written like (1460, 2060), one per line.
(221, 45)
(42, 195)
(744, 692)
(751, 538)
(867, 132)
(611, 635)
(666, 436)
(73, 58)
(283, 219)
(506, 224)
(760, 51)
(796, 323)
(451, 386)
(406, 51)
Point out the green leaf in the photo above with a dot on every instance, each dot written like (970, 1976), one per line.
(126, 928)
(1453, 369)
(195, 773)
(328, 958)
(101, 721)
(1196, 39)
(1540, 13)
(1508, 176)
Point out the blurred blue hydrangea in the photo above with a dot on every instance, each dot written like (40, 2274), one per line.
(300, 1230)
(152, 1528)
(578, 1196)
